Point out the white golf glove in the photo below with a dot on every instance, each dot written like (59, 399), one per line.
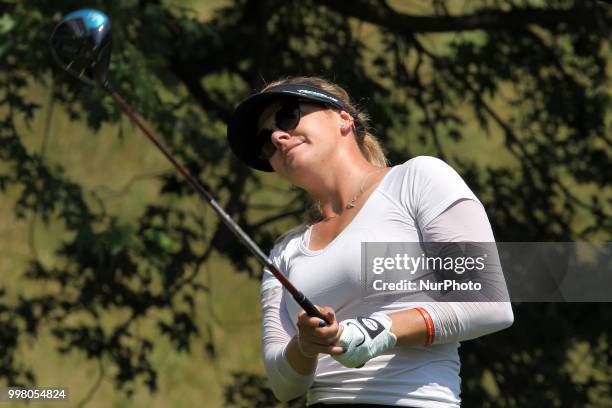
(364, 338)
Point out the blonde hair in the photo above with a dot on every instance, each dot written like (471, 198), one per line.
(368, 144)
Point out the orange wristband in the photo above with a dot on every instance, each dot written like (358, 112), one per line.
(431, 331)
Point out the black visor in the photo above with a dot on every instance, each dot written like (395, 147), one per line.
(242, 129)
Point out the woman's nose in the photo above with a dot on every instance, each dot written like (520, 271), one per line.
(279, 136)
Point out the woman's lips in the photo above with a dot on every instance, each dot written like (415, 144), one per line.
(290, 148)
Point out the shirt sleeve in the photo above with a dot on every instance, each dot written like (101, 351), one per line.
(464, 221)
(278, 330)
(430, 186)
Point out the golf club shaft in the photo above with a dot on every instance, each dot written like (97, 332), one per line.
(299, 297)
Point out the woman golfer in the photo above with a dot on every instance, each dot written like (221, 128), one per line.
(372, 354)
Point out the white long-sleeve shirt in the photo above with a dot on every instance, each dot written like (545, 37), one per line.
(423, 199)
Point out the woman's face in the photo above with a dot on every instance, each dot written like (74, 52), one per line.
(305, 146)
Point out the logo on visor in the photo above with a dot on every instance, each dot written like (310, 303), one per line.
(320, 95)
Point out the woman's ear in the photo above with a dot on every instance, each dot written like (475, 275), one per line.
(346, 121)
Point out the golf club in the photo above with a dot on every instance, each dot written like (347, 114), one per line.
(81, 45)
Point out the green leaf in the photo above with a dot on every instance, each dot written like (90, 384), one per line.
(6, 24)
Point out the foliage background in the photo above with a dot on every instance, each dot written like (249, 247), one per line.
(118, 283)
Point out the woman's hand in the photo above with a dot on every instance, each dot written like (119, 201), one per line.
(316, 336)
(365, 338)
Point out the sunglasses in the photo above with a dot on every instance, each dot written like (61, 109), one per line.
(286, 118)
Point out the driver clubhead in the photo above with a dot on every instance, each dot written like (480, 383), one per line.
(81, 45)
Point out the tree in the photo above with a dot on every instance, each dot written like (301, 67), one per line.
(533, 78)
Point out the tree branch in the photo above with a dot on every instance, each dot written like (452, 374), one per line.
(511, 139)
(481, 20)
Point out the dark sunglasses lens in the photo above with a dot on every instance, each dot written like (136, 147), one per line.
(288, 117)
(267, 149)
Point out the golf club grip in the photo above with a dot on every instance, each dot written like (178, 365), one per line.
(299, 297)
(309, 308)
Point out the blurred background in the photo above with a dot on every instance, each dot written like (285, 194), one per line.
(117, 281)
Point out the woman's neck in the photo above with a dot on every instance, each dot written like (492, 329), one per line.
(339, 190)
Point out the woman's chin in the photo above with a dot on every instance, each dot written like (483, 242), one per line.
(299, 163)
